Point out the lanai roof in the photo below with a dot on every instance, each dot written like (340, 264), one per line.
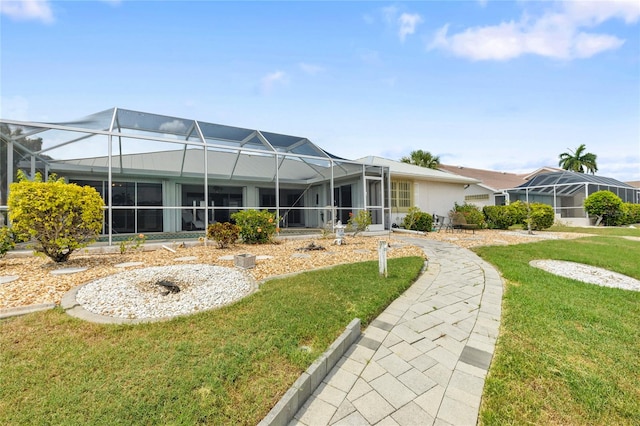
(165, 145)
(568, 182)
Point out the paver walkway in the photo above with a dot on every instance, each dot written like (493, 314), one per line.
(423, 361)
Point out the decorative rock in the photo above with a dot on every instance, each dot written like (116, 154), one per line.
(227, 257)
(135, 294)
(588, 274)
(128, 264)
(300, 256)
(65, 271)
(185, 258)
(4, 279)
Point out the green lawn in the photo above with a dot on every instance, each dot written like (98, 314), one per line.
(568, 352)
(227, 366)
(609, 231)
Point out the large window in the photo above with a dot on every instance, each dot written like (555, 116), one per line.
(133, 204)
(401, 195)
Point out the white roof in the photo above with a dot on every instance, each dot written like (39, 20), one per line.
(400, 169)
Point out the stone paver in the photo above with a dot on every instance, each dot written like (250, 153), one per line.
(425, 358)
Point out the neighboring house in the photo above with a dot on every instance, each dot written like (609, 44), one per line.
(489, 191)
(566, 191)
(432, 191)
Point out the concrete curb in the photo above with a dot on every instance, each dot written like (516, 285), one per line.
(23, 310)
(284, 411)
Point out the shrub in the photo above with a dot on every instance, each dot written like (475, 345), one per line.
(632, 213)
(541, 216)
(256, 227)
(132, 243)
(224, 233)
(7, 241)
(605, 205)
(359, 222)
(60, 217)
(517, 211)
(498, 217)
(417, 220)
(472, 214)
(503, 217)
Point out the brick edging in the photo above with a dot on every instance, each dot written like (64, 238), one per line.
(284, 411)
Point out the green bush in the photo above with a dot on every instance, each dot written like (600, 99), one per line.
(606, 206)
(631, 213)
(256, 227)
(503, 217)
(417, 220)
(7, 241)
(472, 214)
(60, 217)
(541, 217)
(224, 233)
(498, 217)
(359, 222)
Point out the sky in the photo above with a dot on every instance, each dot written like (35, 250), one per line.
(498, 85)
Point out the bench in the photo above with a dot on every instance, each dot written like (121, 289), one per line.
(459, 222)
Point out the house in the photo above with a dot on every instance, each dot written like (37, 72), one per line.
(566, 191)
(432, 191)
(164, 174)
(490, 190)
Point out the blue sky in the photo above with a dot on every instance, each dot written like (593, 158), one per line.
(501, 85)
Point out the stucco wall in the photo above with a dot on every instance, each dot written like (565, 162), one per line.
(434, 198)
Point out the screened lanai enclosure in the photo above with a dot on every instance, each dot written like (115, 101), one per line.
(161, 174)
(566, 191)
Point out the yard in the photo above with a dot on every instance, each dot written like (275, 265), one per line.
(567, 351)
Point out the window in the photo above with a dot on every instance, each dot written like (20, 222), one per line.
(401, 195)
(476, 197)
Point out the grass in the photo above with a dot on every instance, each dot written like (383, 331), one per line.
(610, 231)
(568, 351)
(227, 366)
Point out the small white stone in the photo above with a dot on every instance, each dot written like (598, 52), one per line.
(134, 294)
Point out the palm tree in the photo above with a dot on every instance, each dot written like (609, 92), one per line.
(423, 159)
(579, 161)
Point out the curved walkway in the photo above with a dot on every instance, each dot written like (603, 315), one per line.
(423, 361)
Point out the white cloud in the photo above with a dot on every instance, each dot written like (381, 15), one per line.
(310, 68)
(270, 80)
(593, 13)
(175, 126)
(405, 24)
(24, 10)
(558, 35)
(408, 23)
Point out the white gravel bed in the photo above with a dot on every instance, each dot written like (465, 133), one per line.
(134, 294)
(588, 274)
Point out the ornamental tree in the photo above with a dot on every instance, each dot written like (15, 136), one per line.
(60, 217)
(605, 205)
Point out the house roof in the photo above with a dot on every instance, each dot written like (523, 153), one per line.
(490, 179)
(400, 169)
(635, 183)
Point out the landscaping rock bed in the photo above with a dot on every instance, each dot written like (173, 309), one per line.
(37, 285)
